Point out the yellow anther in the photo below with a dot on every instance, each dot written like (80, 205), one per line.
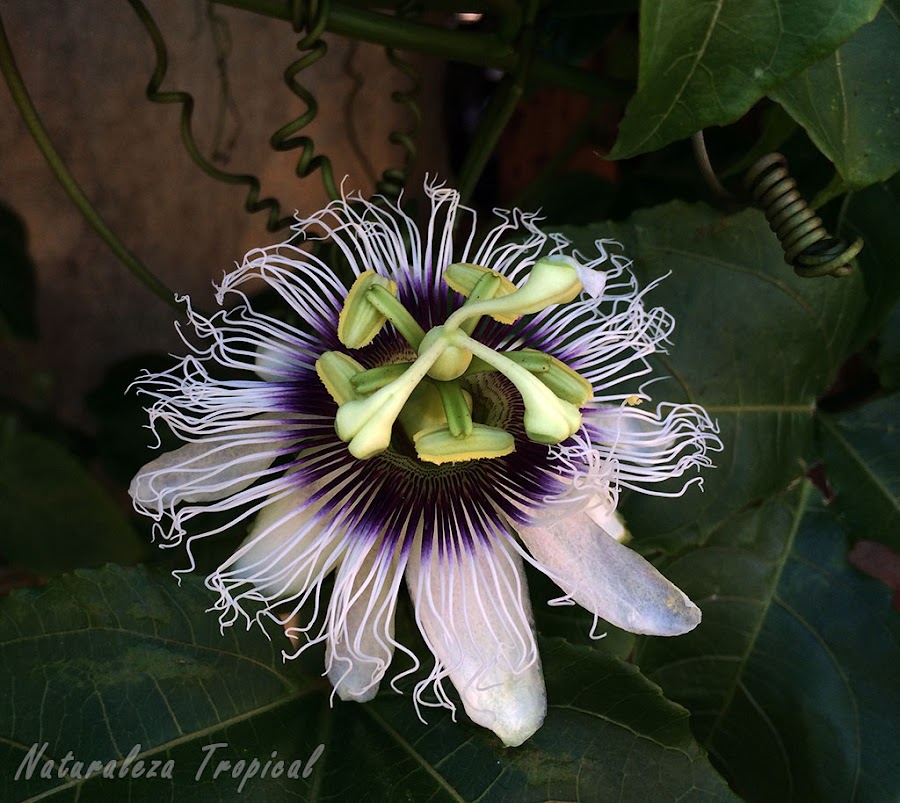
(464, 277)
(336, 371)
(360, 321)
(442, 446)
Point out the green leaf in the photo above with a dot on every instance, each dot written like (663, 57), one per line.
(889, 352)
(849, 103)
(609, 736)
(19, 296)
(53, 515)
(873, 214)
(791, 676)
(862, 463)
(753, 343)
(705, 64)
(100, 661)
(574, 198)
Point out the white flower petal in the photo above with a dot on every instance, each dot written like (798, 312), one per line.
(469, 588)
(205, 471)
(360, 642)
(472, 607)
(275, 363)
(609, 520)
(286, 553)
(609, 579)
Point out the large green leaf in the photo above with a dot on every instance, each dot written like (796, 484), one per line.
(862, 463)
(873, 214)
(889, 352)
(753, 343)
(786, 702)
(792, 675)
(98, 662)
(707, 63)
(54, 515)
(609, 736)
(849, 103)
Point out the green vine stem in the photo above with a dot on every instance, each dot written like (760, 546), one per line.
(500, 108)
(394, 179)
(470, 47)
(252, 202)
(39, 133)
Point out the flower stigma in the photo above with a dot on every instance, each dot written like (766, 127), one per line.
(428, 395)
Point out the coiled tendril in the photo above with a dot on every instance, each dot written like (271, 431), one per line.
(309, 16)
(253, 203)
(808, 247)
(394, 179)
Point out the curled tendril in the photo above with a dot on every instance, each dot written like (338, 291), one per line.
(394, 179)
(310, 15)
(309, 18)
(807, 245)
(253, 202)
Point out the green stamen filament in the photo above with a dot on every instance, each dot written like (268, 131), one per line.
(388, 305)
(554, 373)
(486, 287)
(366, 423)
(548, 283)
(457, 409)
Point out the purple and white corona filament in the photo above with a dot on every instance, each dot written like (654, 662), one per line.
(457, 406)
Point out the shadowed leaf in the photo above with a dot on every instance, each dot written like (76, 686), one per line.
(849, 103)
(54, 516)
(791, 677)
(862, 462)
(753, 343)
(124, 657)
(707, 63)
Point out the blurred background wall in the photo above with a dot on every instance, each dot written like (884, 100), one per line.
(86, 65)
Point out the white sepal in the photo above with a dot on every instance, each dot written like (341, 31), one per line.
(609, 579)
(473, 609)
